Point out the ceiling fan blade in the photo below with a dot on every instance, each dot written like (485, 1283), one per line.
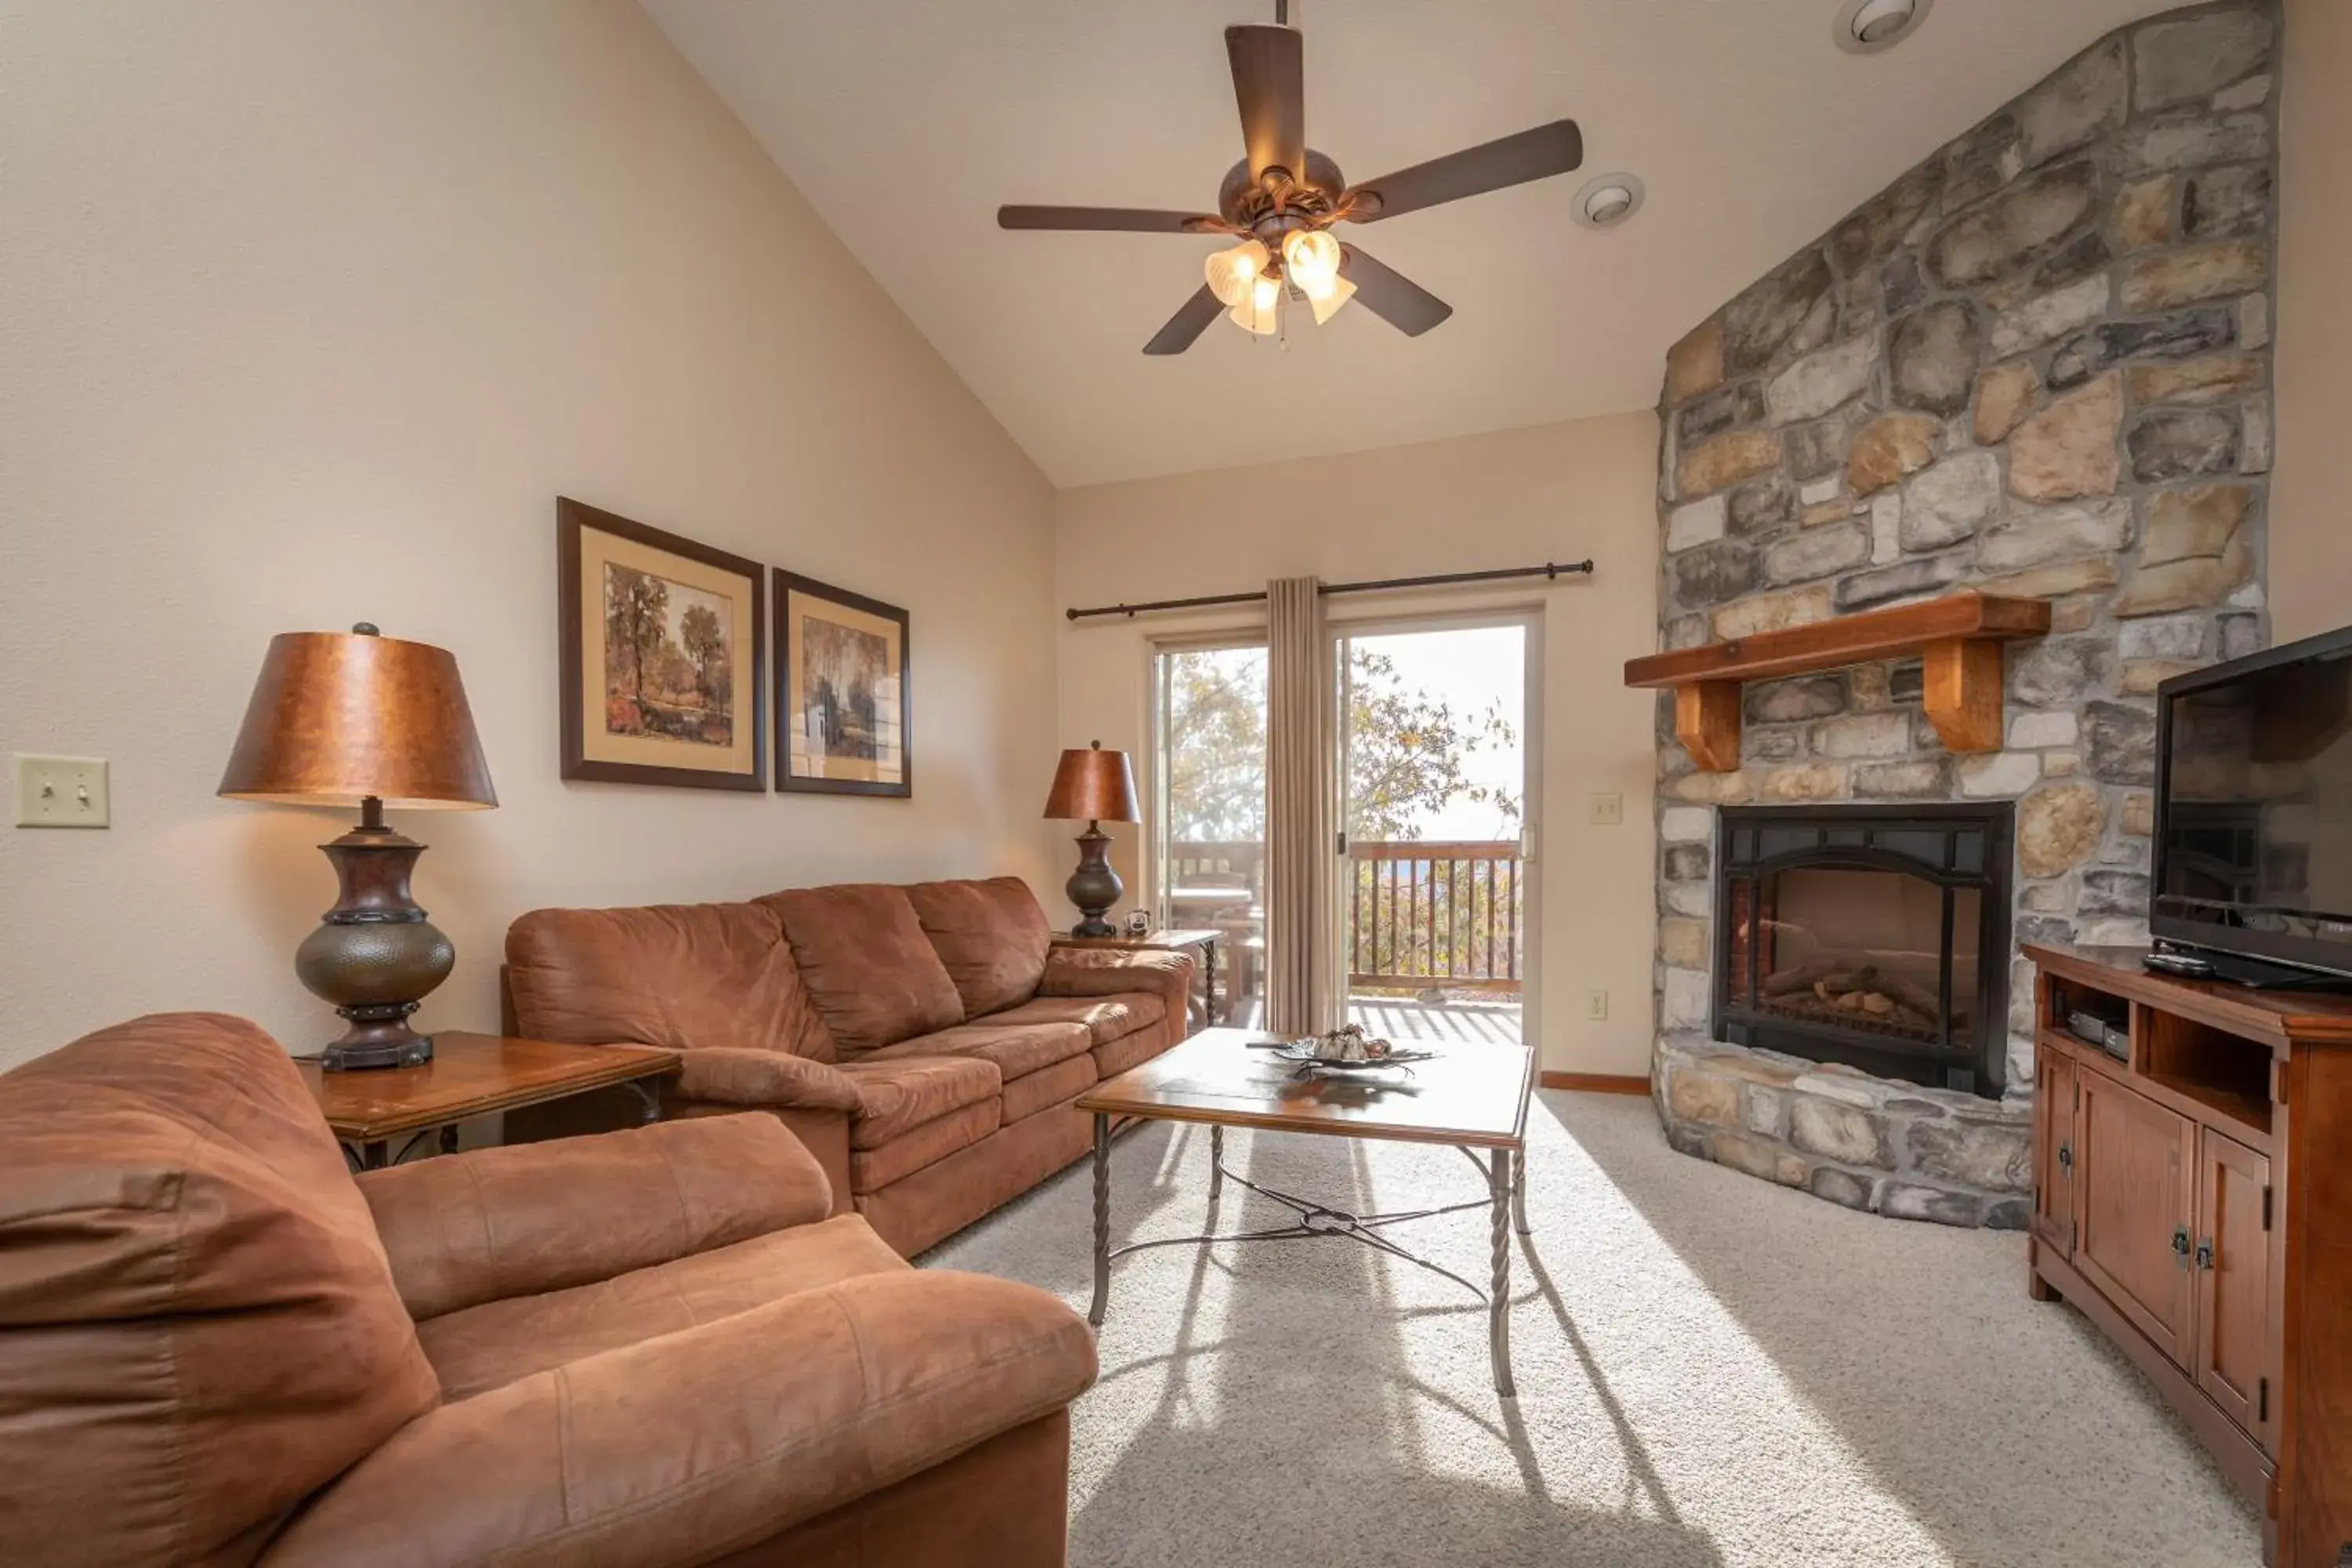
(1186, 324)
(1270, 85)
(1392, 296)
(1535, 154)
(1135, 220)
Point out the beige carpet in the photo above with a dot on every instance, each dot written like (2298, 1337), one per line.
(1712, 1371)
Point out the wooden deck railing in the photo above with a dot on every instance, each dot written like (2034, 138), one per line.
(1419, 913)
(1430, 913)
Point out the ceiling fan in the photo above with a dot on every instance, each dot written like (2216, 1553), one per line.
(1282, 199)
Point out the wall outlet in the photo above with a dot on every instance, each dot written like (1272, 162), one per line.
(1608, 810)
(61, 792)
(1596, 1006)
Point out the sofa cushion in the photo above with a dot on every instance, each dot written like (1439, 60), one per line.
(1016, 1049)
(990, 935)
(904, 1092)
(867, 966)
(1055, 1085)
(481, 1348)
(1116, 1056)
(683, 976)
(197, 1324)
(1105, 1017)
(870, 1169)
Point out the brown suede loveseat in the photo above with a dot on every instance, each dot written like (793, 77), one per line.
(924, 1041)
(645, 1349)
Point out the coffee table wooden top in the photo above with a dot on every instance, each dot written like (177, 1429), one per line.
(473, 1075)
(1469, 1094)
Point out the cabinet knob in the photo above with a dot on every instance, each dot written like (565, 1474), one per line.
(2066, 1158)
(2180, 1245)
(2205, 1255)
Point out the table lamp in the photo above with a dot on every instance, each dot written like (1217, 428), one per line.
(1093, 786)
(360, 718)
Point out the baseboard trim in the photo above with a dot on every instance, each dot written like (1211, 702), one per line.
(1598, 1082)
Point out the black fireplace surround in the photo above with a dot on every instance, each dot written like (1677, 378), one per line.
(1872, 935)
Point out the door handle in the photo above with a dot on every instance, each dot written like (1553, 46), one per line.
(2180, 1245)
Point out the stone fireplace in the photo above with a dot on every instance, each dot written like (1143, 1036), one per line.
(1871, 936)
(2038, 365)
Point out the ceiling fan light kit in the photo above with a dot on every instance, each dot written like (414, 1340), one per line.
(1870, 26)
(1282, 199)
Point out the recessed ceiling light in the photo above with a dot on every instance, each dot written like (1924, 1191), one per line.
(1608, 200)
(1866, 26)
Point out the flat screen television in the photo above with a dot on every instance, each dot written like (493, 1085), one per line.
(2253, 807)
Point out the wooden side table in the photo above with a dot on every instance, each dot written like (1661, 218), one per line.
(470, 1076)
(1205, 1005)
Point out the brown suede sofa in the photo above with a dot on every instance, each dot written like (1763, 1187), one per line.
(924, 1042)
(648, 1347)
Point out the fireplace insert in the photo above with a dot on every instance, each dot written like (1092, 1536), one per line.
(1872, 935)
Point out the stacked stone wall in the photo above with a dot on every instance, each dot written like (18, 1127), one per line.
(2039, 364)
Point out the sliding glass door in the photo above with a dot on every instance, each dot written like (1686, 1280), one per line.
(1209, 779)
(1433, 892)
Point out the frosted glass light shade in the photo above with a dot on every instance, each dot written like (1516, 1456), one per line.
(1327, 304)
(1231, 273)
(1310, 258)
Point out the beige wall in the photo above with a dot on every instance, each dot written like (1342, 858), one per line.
(2311, 505)
(312, 309)
(1557, 492)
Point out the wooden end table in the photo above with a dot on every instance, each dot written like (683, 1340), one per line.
(470, 1076)
(1471, 1097)
(1174, 939)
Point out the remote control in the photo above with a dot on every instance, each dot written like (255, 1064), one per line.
(2178, 964)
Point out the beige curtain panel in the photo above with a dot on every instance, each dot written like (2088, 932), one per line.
(1299, 999)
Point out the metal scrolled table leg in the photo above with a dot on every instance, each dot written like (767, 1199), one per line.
(1519, 1194)
(1102, 1219)
(1498, 1300)
(1216, 1164)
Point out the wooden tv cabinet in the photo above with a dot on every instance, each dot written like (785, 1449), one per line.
(2195, 1203)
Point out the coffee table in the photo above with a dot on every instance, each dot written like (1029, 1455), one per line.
(1471, 1097)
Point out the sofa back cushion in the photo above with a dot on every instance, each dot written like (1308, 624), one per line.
(990, 935)
(680, 976)
(866, 964)
(198, 1326)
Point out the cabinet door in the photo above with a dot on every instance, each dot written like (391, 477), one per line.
(2134, 1207)
(2233, 1277)
(2053, 1149)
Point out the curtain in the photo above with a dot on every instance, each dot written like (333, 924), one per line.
(1298, 843)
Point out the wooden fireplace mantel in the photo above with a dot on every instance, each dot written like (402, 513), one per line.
(1957, 639)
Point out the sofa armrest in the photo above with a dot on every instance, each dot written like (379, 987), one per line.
(733, 1075)
(683, 1449)
(1165, 973)
(515, 1221)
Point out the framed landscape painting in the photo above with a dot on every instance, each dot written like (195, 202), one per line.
(842, 705)
(664, 649)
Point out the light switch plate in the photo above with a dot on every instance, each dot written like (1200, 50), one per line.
(1608, 810)
(1596, 1006)
(61, 792)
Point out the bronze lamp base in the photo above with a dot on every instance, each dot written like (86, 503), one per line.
(1093, 887)
(374, 955)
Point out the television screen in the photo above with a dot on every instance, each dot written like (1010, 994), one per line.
(2255, 823)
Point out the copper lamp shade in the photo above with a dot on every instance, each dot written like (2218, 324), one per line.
(336, 717)
(1093, 786)
(359, 719)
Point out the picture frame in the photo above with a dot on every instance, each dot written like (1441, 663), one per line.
(662, 653)
(845, 709)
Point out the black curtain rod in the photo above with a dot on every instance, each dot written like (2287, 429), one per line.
(1549, 570)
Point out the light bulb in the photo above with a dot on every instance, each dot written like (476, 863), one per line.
(1327, 304)
(1260, 313)
(1230, 272)
(1310, 258)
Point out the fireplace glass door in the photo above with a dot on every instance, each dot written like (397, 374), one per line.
(1865, 940)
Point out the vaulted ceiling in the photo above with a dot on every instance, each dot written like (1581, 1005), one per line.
(906, 123)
